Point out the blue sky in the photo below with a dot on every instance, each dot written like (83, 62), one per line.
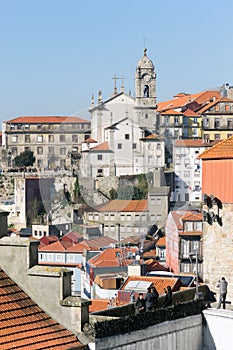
(55, 54)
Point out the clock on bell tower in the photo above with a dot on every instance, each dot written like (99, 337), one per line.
(145, 92)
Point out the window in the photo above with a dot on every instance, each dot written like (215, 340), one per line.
(119, 146)
(189, 226)
(126, 136)
(41, 256)
(40, 138)
(39, 126)
(186, 173)
(19, 126)
(14, 139)
(167, 120)
(229, 123)
(58, 257)
(12, 126)
(99, 157)
(106, 217)
(137, 217)
(146, 116)
(158, 201)
(177, 184)
(27, 138)
(71, 257)
(128, 217)
(176, 120)
(14, 151)
(112, 217)
(62, 138)
(74, 138)
(217, 136)
(35, 233)
(62, 151)
(50, 257)
(122, 217)
(26, 126)
(51, 151)
(96, 217)
(134, 145)
(186, 248)
(51, 138)
(199, 226)
(216, 122)
(195, 120)
(158, 147)
(39, 150)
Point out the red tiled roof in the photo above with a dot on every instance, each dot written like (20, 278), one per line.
(171, 112)
(190, 216)
(98, 304)
(158, 282)
(73, 236)
(182, 100)
(190, 113)
(23, 325)
(46, 240)
(222, 150)
(124, 205)
(80, 247)
(104, 146)
(108, 257)
(47, 119)
(208, 106)
(60, 246)
(161, 241)
(153, 265)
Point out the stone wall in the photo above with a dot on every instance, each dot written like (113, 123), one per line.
(217, 250)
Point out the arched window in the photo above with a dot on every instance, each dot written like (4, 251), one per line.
(146, 91)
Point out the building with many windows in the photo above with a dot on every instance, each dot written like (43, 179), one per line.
(55, 141)
(183, 238)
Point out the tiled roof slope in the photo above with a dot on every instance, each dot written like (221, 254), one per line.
(25, 326)
(47, 119)
(222, 150)
(124, 205)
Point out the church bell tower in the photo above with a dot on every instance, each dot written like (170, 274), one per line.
(145, 93)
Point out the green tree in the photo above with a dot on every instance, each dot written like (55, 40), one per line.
(25, 158)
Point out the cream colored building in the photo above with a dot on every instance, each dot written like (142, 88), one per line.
(55, 141)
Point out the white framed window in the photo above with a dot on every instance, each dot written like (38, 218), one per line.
(71, 257)
(112, 216)
(50, 257)
(186, 173)
(137, 217)
(14, 139)
(58, 257)
(128, 217)
(122, 217)
(159, 201)
(112, 228)
(40, 138)
(106, 217)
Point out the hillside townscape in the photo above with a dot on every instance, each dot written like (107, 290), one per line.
(96, 211)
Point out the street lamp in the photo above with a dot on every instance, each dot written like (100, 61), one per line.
(195, 254)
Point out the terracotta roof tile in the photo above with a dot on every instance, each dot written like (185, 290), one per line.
(222, 150)
(208, 106)
(104, 146)
(161, 241)
(191, 216)
(190, 113)
(47, 119)
(158, 282)
(108, 257)
(171, 112)
(23, 325)
(98, 304)
(195, 143)
(60, 246)
(124, 205)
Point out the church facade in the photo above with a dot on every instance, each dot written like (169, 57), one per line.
(125, 130)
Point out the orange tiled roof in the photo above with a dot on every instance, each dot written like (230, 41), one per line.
(158, 282)
(104, 146)
(153, 265)
(73, 236)
(108, 257)
(171, 112)
(208, 106)
(190, 216)
(80, 247)
(47, 119)
(98, 305)
(161, 241)
(182, 100)
(190, 113)
(178, 102)
(190, 143)
(222, 150)
(60, 246)
(26, 326)
(124, 205)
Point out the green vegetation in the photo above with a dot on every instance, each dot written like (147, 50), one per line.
(25, 159)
